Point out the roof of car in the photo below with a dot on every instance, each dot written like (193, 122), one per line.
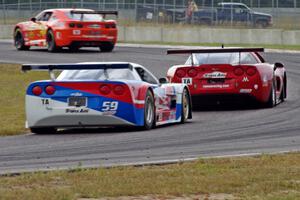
(66, 9)
(229, 3)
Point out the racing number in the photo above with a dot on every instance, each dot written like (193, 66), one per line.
(110, 105)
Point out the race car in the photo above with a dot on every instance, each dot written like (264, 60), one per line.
(72, 28)
(230, 75)
(103, 94)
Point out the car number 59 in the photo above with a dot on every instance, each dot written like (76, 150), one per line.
(110, 105)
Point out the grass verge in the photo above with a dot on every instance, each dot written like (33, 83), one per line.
(261, 177)
(12, 97)
(267, 46)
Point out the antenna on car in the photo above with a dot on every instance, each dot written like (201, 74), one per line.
(222, 46)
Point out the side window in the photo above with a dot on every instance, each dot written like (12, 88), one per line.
(145, 76)
(247, 58)
(44, 16)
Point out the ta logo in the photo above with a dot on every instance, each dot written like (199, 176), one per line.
(245, 79)
(188, 81)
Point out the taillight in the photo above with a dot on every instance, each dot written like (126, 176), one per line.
(37, 90)
(50, 89)
(79, 25)
(71, 25)
(251, 71)
(180, 73)
(238, 71)
(104, 89)
(119, 89)
(110, 26)
(192, 72)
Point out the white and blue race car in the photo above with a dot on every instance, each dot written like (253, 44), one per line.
(103, 94)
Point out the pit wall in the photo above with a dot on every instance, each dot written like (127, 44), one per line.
(184, 34)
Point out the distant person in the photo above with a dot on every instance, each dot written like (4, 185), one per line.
(191, 8)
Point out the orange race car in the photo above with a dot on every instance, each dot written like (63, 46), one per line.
(72, 28)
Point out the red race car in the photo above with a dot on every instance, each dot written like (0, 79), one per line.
(72, 28)
(229, 74)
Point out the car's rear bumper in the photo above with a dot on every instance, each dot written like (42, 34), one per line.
(224, 99)
(60, 121)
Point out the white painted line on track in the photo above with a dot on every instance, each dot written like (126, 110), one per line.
(9, 41)
(138, 164)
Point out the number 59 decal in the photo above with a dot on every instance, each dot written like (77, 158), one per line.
(110, 106)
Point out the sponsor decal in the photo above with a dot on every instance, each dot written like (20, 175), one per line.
(94, 26)
(245, 79)
(77, 110)
(77, 94)
(76, 32)
(245, 91)
(215, 75)
(188, 81)
(45, 101)
(220, 86)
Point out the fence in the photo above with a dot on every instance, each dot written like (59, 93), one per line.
(285, 13)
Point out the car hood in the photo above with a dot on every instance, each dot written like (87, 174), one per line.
(262, 14)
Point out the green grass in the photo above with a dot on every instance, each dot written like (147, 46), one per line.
(268, 177)
(12, 97)
(267, 46)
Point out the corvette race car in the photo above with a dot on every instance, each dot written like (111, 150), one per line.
(230, 75)
(103, 94)
(72, 28)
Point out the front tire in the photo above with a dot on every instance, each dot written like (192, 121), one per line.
(19, 41)
(51, 44)
(149, 111)
(272, 98)
(186, 107)
(45, 130)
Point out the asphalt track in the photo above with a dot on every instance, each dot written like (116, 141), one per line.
(213, 132)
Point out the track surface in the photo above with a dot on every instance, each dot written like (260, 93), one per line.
(210, 133)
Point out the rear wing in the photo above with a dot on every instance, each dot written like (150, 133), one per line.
(213, 50)
(100, 12)
(79, 66)
(216, 50)
(75, 66)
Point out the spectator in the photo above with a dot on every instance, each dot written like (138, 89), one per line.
(191, 8)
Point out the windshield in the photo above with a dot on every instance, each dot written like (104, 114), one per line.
(101, 74)
(222, 58)
(85, 17)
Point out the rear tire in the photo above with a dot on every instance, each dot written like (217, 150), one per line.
(149, 111)
(186, 107)
(107, 47)
(19, 41)
(51, 44)
(45, 130)
(73, 48)
(272, 97)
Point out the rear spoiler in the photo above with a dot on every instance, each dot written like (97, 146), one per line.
(100, 12)
(216, 50)
(76, 66)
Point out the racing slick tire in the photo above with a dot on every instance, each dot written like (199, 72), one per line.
(19, 40)
(283, 94)
(272, 101)
(186, 106)
(107, 47)
(45, 130)
(149, 112)
(51, 44)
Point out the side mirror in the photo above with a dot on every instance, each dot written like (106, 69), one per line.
(33, 19)
(278, 65)
(163, 80)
